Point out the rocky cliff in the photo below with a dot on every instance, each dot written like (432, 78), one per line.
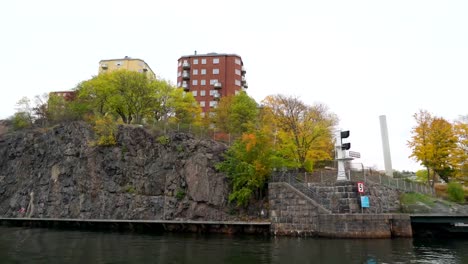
(60, 173)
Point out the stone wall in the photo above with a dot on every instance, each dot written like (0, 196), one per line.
(292, 213)
(343, 197)
(364, 225)
(339, 197)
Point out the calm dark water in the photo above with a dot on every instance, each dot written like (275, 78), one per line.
(24, 245)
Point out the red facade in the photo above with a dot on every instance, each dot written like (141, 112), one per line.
(67, 95)
(211, 76)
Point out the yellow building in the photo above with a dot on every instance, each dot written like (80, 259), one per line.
(126, 63)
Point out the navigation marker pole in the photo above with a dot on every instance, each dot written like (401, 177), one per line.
(340, 149)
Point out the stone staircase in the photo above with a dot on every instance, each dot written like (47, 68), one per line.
(338, 197)
(342, 197)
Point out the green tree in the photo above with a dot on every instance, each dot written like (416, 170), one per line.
(248, 164)
(130, 95)
(133, 95)
(21, 120)
(60, 110)
(183, 107)
(236, 114)
(24, 113)
(421, 176)
(135, 98)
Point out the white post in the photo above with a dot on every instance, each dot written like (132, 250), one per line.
(340, 155)
(386, 146)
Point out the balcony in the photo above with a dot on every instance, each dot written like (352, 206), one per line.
(218, 85)
(243, 70)
(185, 86)
(246, 85)
(216, 96)
(244, 81)
(185, 65)
(104, 66)
(185, 75)
(145, 69)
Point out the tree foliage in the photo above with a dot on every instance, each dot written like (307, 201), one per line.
(434, 144)
(106, 130)
(135, 98)
(421, 176)
(23, 118)
(303, 132)
(461, 132)
(248, 164)
(59, 109)
(236, 114)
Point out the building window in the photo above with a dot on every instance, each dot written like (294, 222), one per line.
(203, 71)
(237, 92)
(203, 61)
(238, 72)
(194, 82)
(213, 103)
(215, 60)
(215, 71)
(195, 72)
(202, 114)
(237, 82)
(238, 61)
(179, 74)
(194, 93)
(180, 63)
(203, 82)
(202, 93)
(118, 63)
(212, 92)
(195, 61)
(202, 103)
(213, 81)
(178, 84)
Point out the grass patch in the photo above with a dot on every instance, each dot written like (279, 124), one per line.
(415, 198)
(130, 189)
(180, 195)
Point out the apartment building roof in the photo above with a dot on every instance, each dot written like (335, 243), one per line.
(211, 54)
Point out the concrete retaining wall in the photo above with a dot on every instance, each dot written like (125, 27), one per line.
(364, 225)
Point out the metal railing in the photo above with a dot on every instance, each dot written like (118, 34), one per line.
(301, 186)
(329, 177)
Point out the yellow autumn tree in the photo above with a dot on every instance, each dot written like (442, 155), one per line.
(434, 145)
(461, 131)
(303, 132)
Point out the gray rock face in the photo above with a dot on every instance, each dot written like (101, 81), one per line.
(59, 173)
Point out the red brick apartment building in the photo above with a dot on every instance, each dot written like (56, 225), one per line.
(211, 76)
(67, 95)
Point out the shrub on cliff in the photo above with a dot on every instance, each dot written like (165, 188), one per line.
(105, 128)
(248, 164)
(21, 120)
(455, 192)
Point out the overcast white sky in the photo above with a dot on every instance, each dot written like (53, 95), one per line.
(361, 58)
